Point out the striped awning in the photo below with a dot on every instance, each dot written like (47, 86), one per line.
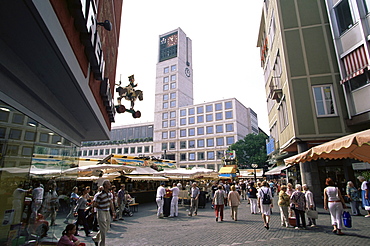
(355, 63)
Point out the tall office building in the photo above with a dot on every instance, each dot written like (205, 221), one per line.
(191, 135)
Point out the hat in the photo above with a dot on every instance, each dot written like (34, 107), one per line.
(162, 183)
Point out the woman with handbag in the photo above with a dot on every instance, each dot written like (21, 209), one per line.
(334, 201)
(310, 206)
(298, 205)
(354, 198)
(219, 200)
(284, 200)
(365, 194)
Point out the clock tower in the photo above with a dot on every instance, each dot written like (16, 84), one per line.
(174, 88)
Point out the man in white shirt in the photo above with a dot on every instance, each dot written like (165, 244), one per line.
(310, 204)
(175, 200)
(161, 192)
(37, 198)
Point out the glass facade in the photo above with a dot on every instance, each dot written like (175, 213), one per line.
(31, 154)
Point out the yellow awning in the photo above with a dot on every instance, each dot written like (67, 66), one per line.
(227, 170)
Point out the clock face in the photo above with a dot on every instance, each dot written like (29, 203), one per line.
(168, 46)
(187, 72)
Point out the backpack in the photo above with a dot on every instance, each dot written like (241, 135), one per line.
(266, 198)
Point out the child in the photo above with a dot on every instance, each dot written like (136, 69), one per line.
(68, 238)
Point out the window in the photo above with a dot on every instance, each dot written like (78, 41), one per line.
(173, 68)
(55, 139)
(210, 155)
(146, 149)
(164, 146)
(107, 151)
(209, 108)
(183, 133)
(191, 132)
(229, 140)
(230, 127)
(191, 156)
(173, 95)
(18, 119)
(200, 110)
(283, 115)
(183, 112)
(200, 118)
(165, 97)
(166, 70)
(209, 129)
(165, 105)
(165, 116)
(343, 16)
(113, 151)
(191, 120)
(173, 77)
(182, 157)
(324, 101)
(183, 121)
(191, 111)
(219, 154)
(210, 142)
(164, 135)
(139, 149)
(172, 145)
(172, 134)
(228, 114)
(219, 129)
(218, 116)
(209, 117)
(29, 136)
(27, 151)
(200, 156)
(200, 143)
(125, 150)
(173, 85)
(228, 105)
(132, 150)
(182, 144)
(164, 124)
(165, 87)
(173, 104)
(191, 144)
(15, 134)
(4, 116)
(219, 141)
(367, 5)
(172, 123)
(200, 130)
(101, 152)
(165, 80)
(218, 106)
(119, 151)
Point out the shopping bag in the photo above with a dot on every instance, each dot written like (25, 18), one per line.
(367, 208)
(347, 220)
(312, 214)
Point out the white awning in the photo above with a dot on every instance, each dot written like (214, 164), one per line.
(140, 178)
(276, 170)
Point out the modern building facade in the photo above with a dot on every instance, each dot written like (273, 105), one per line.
(349, 22)
(306, 103)
(190, 134)
(57, 71)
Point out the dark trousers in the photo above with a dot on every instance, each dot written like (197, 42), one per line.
(299, 215)
(81, 219)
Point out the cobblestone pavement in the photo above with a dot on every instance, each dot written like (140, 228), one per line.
(144, 228)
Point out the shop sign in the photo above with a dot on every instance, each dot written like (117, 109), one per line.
(361, 166)
(84, 13)
(106, 95)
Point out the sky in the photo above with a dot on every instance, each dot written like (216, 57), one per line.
(226, 61)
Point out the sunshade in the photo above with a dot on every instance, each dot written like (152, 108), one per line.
(276, 170)
(227, 170)
(146, 177)
(354, 146)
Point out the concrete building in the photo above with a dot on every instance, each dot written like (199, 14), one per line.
(191, 134)
(57, 71)
(306, 104)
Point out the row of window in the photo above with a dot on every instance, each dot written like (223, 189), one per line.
(200, 130)
(191, 120)
(208, 108)
(200, 143)
(126, 150)
(18, 134)
(167, 69)
(200, 156)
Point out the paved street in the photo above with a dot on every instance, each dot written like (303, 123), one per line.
(144, 228)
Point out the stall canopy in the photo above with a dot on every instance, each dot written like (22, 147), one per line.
(355, 146)
(227, 170)
(276, 170)
(145, 177)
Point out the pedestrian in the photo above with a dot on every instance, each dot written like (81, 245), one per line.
(290, 191)
(264, 194)
(243, 187)
(310, 204)
(334, 201)
(114, 195)
(80, 208)
(37, 199)
(103, 201)
(174, 211)
(68, 238)
(219, 200)
(354, 198)
(234, 202)
(120, 201)
(51, 203)
(283, 202)
(161, 192)
(365, 194)
(252, 194)
(194, 199)
(298, 205)
(72, 203)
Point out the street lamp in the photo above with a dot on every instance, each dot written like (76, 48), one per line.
(255, 166)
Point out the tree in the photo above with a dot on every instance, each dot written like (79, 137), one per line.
(251, 149)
